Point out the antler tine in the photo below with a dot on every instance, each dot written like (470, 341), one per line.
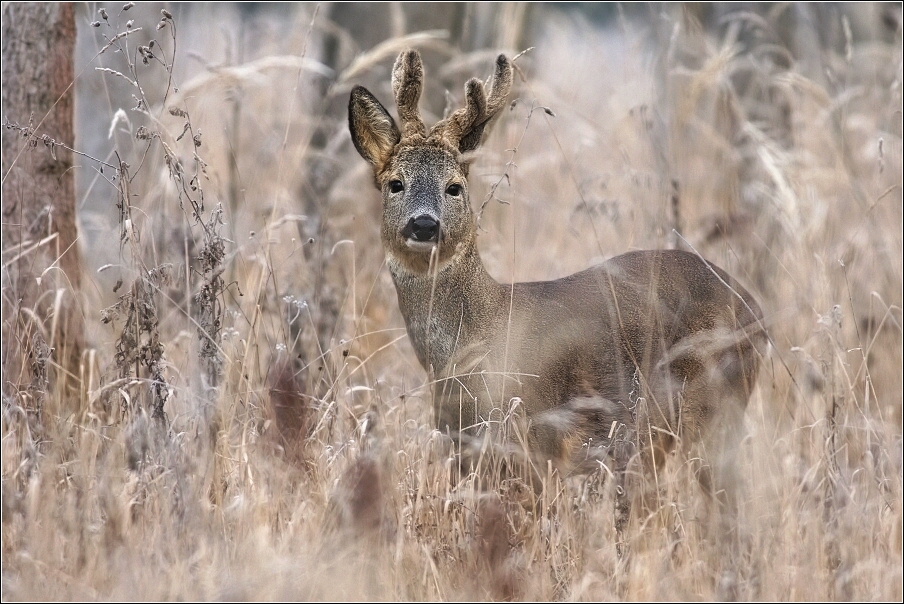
(407, 83)
(464, 119)
(500, 86)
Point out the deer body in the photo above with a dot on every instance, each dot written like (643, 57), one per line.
(661, 342)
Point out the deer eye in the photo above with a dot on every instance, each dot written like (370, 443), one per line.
(396, 186)
(453, 190)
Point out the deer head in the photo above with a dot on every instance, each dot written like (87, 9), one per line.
(423, 175)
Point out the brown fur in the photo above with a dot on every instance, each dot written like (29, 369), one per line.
(659, 343)
(407, 82)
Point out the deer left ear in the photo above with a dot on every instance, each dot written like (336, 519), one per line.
(373, 130)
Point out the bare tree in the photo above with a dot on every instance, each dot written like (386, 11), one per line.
(42, 323)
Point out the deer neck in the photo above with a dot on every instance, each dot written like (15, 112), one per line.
(448, 309)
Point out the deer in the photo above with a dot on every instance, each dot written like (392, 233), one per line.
(660, 344)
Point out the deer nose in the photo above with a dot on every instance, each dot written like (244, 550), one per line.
(422, 228)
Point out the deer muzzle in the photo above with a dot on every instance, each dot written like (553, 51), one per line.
(421, 232)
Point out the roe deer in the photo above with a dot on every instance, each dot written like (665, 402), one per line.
(662, 341)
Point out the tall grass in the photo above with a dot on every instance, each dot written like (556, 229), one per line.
(254, 423)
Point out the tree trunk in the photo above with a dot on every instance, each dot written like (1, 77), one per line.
(42, 319)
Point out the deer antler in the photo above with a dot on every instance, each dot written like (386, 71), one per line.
(407, 83)
(464, 129)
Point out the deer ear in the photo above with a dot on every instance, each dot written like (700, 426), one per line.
(373, 130)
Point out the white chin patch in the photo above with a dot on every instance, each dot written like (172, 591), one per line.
(420, 246)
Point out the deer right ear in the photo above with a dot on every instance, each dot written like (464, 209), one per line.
(373, 130)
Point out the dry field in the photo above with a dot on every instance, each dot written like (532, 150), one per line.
(252, 422)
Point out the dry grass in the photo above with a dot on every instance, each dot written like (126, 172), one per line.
(254, 424)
